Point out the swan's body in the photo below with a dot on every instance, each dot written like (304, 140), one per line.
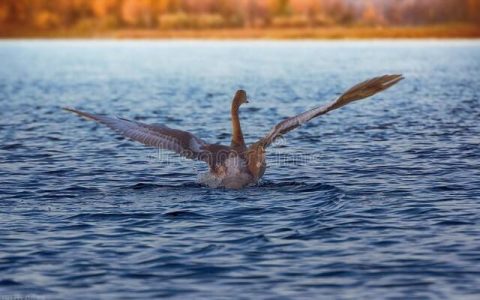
(237, 165)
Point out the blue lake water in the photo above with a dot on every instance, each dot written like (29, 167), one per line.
(380, 199)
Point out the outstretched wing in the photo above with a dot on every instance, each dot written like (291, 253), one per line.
(360, 91)
(159, 136)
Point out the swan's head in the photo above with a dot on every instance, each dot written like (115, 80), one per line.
(240, 98)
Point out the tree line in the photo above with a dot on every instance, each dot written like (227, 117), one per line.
(199, 14)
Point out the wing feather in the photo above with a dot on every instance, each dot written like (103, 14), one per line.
(154, 135)
(360, 91)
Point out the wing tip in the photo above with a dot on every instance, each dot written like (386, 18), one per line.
(80, 113)
(398, 76)
(390, 80)
(70, 109)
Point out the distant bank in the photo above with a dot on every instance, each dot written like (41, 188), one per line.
(441, 31)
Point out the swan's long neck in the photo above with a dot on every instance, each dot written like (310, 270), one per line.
(237, 135)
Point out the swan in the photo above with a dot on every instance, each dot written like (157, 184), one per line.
(238, 165)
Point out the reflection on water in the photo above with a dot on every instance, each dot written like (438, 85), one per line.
(385, 205)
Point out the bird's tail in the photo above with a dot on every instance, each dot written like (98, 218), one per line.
(366, 89)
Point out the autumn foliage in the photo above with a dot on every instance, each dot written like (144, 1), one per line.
(81, 15)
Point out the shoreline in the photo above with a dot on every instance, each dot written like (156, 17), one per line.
(325, 33)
